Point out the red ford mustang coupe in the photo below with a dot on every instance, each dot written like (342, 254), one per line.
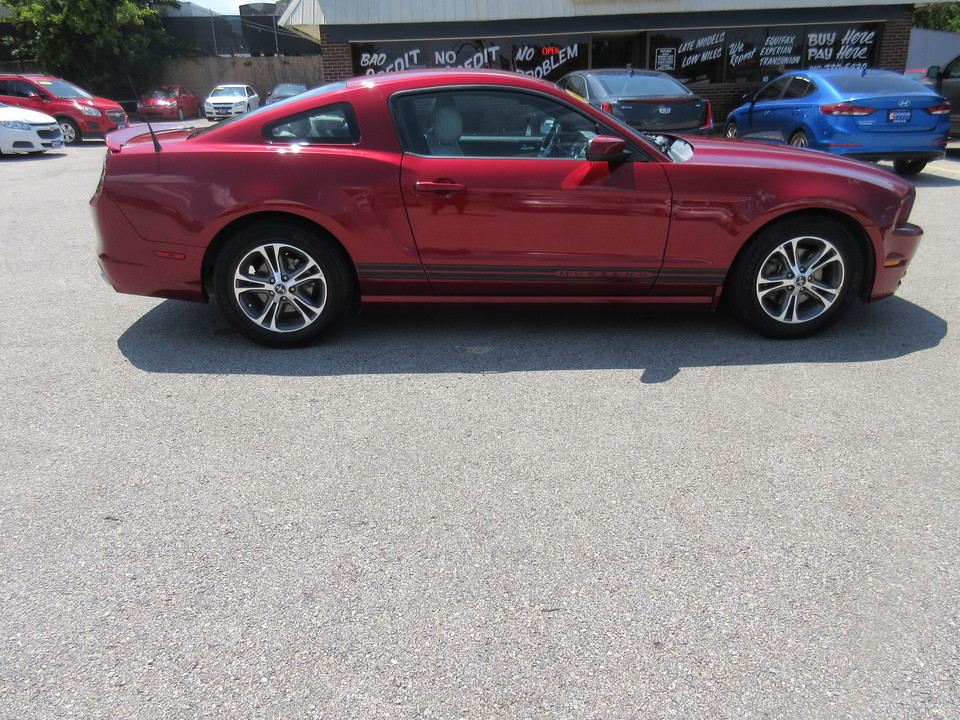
(488, 187)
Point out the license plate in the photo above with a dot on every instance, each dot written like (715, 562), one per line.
(899, 116)
(121, 126)
(222, 111)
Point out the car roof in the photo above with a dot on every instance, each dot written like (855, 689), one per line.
(31, 76)
(445, 76)
(842, 72)
(623, 71)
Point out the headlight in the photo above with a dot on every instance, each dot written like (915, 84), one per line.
(239, 103)
(89, 111)
(15, 125)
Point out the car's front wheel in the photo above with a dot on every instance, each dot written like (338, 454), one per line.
(731, 130)
(281, 284)
(71, 131)
(908, 167)
(796, 277)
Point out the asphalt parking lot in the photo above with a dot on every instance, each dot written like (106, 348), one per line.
(474, 513)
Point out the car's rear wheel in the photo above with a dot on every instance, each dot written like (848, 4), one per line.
(71, 131)
(281, 284)
(796, 277)
(731, 130)
(908, 167)
(799, 139)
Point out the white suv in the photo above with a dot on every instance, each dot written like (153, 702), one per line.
(226, 101)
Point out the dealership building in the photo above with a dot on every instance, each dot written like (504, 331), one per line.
(718, 48)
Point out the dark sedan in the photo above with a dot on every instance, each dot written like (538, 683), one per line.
(644, 99)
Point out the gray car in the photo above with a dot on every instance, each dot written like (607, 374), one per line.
(946, 81)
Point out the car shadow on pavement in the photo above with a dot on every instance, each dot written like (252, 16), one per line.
(179, 337)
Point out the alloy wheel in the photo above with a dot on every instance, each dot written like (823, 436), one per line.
(800, 279)
(280, 287)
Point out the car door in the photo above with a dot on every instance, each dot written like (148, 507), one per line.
(757, 121)
(191, 103)
(26, 95)
(949, 86)
(502, 201)
(784, 114)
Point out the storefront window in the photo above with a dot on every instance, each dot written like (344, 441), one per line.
(711, 55)
(547, 58)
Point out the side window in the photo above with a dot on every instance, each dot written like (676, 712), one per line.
(773, 90)
(5, 88)
(24, 89)
(330, 125)
(953, 69)
(577, 86)
(798, 88)
(491, 123)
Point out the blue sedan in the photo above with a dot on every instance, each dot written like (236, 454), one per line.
(864, 114)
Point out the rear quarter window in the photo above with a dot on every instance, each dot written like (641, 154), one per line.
(329, 125)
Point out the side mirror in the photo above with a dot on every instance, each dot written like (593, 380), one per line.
(35, 96)
(606, 148)
(933, 72)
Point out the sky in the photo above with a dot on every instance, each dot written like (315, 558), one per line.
(224, 7)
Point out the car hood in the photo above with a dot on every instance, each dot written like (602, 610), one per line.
(98, 103)
(25, 115)
(753, 153)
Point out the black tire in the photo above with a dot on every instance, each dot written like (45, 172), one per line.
(908, 167)
(799, 139)
(731, 130)
(71, 131)
(774, 289)
(294, 288)
(180, 113)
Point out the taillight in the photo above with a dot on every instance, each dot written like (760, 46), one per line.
(939, 109)
(606, 107)
(708, 118)
(846, 109)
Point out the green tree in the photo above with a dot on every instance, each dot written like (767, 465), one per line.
(100, 44)
(944, 17)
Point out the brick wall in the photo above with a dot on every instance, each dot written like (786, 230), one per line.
(337, 61)
(895, 44)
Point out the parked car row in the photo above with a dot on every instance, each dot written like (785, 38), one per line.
(869, 115)
(42, 112)
(864, 114)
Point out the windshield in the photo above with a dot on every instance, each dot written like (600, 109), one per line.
(162, 93)
(63, 89)
(286, 90)
(229, 91)
(635, 86)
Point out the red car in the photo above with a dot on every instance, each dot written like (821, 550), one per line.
(82, 115)
(471, 186)
(169, 102)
